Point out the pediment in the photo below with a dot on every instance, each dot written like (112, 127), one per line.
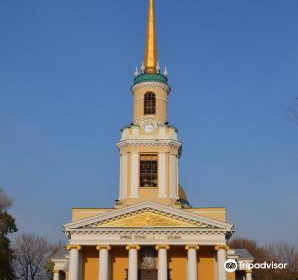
(147, 215)
(147, 218)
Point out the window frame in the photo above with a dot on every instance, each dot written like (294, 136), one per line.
(153, 173)
(149, 103)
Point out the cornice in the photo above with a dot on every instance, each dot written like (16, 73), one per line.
(147, 231)
(149, 142)
(90, 222)
(151, 85)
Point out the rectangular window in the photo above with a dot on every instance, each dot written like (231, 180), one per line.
(149, 103)
(148, 170)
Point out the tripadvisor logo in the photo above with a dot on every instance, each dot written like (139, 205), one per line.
(231, 265)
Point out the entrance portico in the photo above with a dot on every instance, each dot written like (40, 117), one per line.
(134, 272)
(148, 235)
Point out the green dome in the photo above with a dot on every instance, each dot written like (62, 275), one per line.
(151, 77)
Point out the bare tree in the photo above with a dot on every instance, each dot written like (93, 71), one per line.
(283, 253)
(276, 252)
(258, 252)
(5, 201)
(33, 254)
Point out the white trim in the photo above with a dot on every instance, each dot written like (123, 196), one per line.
(149, 142)
(148, 238)
(124, 176)
(134, 175)
(162, 175)
(173, 177)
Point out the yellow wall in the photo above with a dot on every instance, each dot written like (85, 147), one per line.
(119, 259)
(161, 105)
(206, 263)
(177, 257)
(90, 263)
(81, 213)
(231, 276)
(215, 213)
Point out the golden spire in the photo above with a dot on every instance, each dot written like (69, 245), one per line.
(150, 58)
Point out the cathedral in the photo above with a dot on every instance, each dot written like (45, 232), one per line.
(152, 232)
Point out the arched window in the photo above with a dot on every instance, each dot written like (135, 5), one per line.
(149, 103)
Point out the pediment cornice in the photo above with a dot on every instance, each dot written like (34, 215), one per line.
(161, 217)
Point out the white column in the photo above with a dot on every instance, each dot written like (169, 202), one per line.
(74, 264)
(56, 275)
(192, 264)
(123, 179)
(103, 262)
(132, 261)
(134, 175)
(120, 178)
(162, 262)
(162, 175)
(173, 177)
(221, 258)
(248, 275)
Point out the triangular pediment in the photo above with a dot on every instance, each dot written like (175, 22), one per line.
(147, 215)
(147, 218)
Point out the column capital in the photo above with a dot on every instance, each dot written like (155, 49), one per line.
(132, 246)
(248, 271)
(222, 247)
(192, 246)
(99, 247)
(56, 271)
(73, 246)
(161, 246)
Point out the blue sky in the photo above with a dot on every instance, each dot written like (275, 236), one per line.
(65, 72)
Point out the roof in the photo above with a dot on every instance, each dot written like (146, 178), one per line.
(243, 254)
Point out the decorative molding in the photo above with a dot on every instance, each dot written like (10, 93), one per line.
(179, 221)
(222, 247)
(147, 231)
(196, 247)
(106, 247)
(157, 247)
(147, 219)
(151, 85)
(132, 246)
(73, 246)
(149, 142)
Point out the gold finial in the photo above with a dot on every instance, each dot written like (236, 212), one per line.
(150, 59)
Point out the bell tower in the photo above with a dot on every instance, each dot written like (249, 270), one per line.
(149, 146)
